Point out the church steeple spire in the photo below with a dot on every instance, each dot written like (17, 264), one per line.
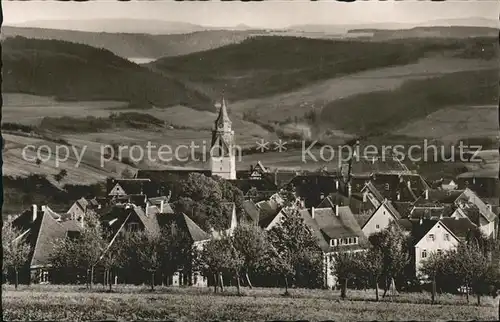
(222, 156)
(223, 118)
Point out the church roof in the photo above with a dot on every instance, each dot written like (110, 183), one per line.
(223, 116)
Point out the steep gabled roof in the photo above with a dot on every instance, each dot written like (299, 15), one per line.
(251, 210)
(315, 229)
(369, 186)
(343, 224)
(390, 208)
(49, 231)
(460, 227)
(470, 196)
(196, 233)
(420, 228)
(184, 223)
(149, 221)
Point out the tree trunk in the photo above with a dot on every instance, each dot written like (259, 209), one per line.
(248, 280)
(91, 276)
(286, 285)
(110, 280)
(467, 292)
(478, 299)
(433, 290)
(216, 282)
(376, 289)
(343, 289)
(238, 282)
(221, 281)
(152, 281)
(386, 287)
(105, 279)
(16, 281)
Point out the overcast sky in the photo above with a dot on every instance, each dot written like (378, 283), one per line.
(262, 14)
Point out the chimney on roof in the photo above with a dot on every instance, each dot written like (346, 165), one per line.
(162, 206)
(426, 194)
(312, 212)
(35, 210)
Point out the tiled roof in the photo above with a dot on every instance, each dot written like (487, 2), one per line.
(184, 223)
(420, 228)
(362, 219)
(403, 208)
(426, 212)
(335, 198)
(196, 233)
(260, 184)
(48, 232)
(315, 229)
(149, 221)
(343, 224)
(376, 193)
(459, 227)
(470, 196)
(251, 210)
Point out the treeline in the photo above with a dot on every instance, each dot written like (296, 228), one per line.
(470, 268)
(285, 256)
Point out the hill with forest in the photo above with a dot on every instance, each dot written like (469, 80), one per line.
(76, 72)
(263, 66)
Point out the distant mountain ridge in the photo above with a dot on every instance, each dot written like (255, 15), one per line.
(137, 45)
(154, 27)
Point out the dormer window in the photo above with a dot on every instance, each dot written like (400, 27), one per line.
(344, 241)
(431, 237)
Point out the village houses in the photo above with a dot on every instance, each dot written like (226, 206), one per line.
(341, 208)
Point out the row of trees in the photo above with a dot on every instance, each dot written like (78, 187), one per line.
(126, 253)
(287, 252)
(470, 267)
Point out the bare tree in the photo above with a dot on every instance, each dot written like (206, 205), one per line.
(15, 250)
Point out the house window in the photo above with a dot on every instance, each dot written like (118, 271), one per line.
(447, 237)
(377, 226)
(133, 226)
(333, 242)
(431, 237)
(424, 253)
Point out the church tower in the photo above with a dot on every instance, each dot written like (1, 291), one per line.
(222, 158)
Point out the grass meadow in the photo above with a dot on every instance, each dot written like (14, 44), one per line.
(74, 303)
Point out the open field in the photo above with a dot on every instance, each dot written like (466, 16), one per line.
(454, 123)
(198, 304)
